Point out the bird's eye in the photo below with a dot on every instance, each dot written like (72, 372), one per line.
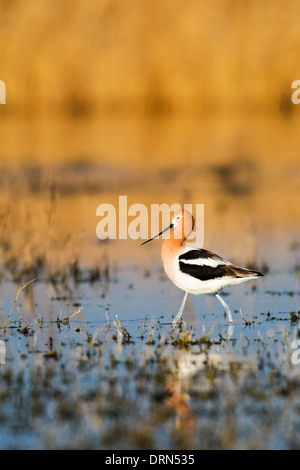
(178, 217)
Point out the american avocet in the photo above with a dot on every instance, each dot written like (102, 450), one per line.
(197, 271)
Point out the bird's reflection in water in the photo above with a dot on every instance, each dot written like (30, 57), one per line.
(180, 383)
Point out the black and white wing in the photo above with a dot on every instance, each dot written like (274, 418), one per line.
(205, 265)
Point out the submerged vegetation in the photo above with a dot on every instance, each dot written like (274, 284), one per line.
(87, 379)
(82, 387)
(90, 360)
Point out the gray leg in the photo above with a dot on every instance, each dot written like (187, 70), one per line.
(179, 314)
(227, 310)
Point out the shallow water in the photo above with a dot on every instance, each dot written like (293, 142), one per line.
(89, 382)
(92, 359)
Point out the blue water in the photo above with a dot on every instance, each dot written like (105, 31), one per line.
(145, 305)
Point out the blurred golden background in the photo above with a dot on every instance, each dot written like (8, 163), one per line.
(84, 57)
(170, 101)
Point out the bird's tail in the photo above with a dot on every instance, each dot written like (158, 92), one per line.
(238, 271)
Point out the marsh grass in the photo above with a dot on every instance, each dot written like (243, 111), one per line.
(25, 327)
(42, 238)
(122, 331)
(114, 398)
(247, 322)
(8, 321)
(65, 320)
(183, 336)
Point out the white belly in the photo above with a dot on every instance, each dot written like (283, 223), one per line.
(196, 286)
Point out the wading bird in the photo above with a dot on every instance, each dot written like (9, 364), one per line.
(197, 271)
